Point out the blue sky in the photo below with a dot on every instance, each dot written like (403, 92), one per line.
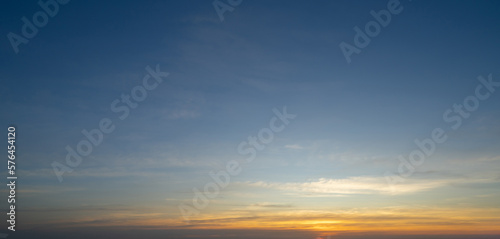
(225, 78)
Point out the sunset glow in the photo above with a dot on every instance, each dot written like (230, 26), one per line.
(199, 119)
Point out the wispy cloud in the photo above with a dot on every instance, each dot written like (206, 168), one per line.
(293, 146)
(270, 205)
(359, 185)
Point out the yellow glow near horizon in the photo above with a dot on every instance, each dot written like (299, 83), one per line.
(383, 220)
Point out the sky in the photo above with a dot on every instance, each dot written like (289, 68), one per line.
(252, 119)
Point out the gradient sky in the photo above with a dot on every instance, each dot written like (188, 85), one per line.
(321, 176)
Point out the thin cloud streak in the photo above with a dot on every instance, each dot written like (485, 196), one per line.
(362, 185)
